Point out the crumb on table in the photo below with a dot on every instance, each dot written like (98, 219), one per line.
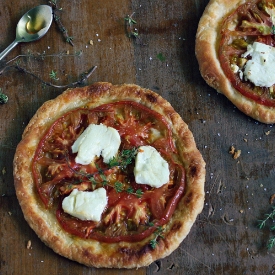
(236, 153)
(29, 244)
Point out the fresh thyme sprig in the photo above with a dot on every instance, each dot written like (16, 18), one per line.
(263, 223)
(56, 17)
(271, 242)
(53, 75)
(124, 158)
(131, 31)
(129, 26)
(83, 78)
(138, 192)
(120, 188)
(121, 161)
(3, 98)
(43, 55)
(157, 233)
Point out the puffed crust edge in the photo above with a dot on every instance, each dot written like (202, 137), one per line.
(206, 50)
(91, 252)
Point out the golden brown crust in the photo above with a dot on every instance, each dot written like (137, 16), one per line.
(207, 44)
(91, 252)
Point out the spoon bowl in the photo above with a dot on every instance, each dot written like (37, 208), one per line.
(33, 25)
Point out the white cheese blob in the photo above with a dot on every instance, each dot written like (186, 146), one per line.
(96, 140)
(260, 69)
(150, 167)
(86, 205)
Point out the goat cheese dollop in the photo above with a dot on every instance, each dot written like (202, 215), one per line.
(260, 68)
(86, 205)
(96, 140)
(150, 167)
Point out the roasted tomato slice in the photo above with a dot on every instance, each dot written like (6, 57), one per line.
(250, 22)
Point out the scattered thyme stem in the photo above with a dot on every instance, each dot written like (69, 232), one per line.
(79, 82)
(56, 17)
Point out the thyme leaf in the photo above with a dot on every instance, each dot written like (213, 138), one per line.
(153, 243)
(3, 98)
(124, 158)
(161, 57)
(129, 19)
(53, 75)
(118, 186)
(138, 192)
(263, 223)
(158, 234)
(271, 242)
(130, 30)
(69, 39)
(92, 180)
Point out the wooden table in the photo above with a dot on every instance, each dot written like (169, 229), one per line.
(225, 239)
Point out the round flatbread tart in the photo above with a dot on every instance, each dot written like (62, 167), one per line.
(109, 176)
(235, 48)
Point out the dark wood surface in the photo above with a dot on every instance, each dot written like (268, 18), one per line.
(225, 238)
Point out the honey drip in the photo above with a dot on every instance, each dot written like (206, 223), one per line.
(34, 25)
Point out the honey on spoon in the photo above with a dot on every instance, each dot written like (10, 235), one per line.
(32, 26)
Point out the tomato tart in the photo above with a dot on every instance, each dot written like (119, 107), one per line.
(235, 48)
(109, 176)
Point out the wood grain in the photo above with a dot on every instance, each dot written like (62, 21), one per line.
(225, 239)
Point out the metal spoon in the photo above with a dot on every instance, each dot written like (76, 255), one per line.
(32, 26)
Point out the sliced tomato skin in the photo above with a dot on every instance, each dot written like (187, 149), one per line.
(133, 122)
(250, 11)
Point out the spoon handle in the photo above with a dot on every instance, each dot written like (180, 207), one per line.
(8, 49)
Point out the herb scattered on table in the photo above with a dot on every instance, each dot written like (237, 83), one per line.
(269, 217)
(129, 26)
(15, 63)
(53, 75)
(3, 98)
(161, 57)
(131, 30)
(56, 17)
(42, 56)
